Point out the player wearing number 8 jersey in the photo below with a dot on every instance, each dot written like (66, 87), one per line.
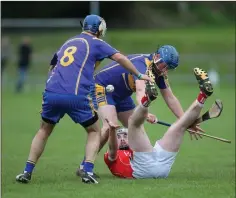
(69, 90)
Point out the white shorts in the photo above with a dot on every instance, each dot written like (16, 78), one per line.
(156, 164)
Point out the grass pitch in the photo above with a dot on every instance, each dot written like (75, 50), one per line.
(204, 168)
(211, 47)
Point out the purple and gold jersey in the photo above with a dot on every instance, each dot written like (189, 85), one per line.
(75, 63)
(122, 80)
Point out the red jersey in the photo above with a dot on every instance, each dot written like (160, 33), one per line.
(121, 166)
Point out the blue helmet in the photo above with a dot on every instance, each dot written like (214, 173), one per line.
(169, 55)
(94, 24)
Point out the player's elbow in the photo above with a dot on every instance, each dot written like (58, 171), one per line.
(113, 146)
(118, 57)
(112, 152)
(140, 92)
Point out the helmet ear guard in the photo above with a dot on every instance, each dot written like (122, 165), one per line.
(81, 24)
(102, 27)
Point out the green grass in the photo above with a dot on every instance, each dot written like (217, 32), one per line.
(204, 168)
(215, 43)
(199, 40)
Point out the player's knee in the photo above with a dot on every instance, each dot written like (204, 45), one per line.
(94, 128)
(105, 133)
(132, 122)
(103, 140)
(45, 129)
(43, 133)
(105, 128)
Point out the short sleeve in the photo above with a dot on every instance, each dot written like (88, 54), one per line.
(104, 50)
(162, 82)
(141, 66)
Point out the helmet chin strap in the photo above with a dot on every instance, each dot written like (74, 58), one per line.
(81, 24)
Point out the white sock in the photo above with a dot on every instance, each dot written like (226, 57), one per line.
(199, 104)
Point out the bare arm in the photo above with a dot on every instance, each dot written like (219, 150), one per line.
(126, 63)
(172, 102)
(140, 90)
(112, 142)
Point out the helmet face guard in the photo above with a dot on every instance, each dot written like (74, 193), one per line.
(159, 66)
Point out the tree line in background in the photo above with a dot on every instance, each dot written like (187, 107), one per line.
(129, 14)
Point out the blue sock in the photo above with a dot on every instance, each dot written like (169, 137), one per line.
(29, 166)
(88, 167)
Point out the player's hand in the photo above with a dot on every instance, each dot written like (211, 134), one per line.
(145, 77)
(151, 118)
(111, 125)
(193, 129)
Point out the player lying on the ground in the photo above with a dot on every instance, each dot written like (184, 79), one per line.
(68, 91)
(119, 105)
(130, 153)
